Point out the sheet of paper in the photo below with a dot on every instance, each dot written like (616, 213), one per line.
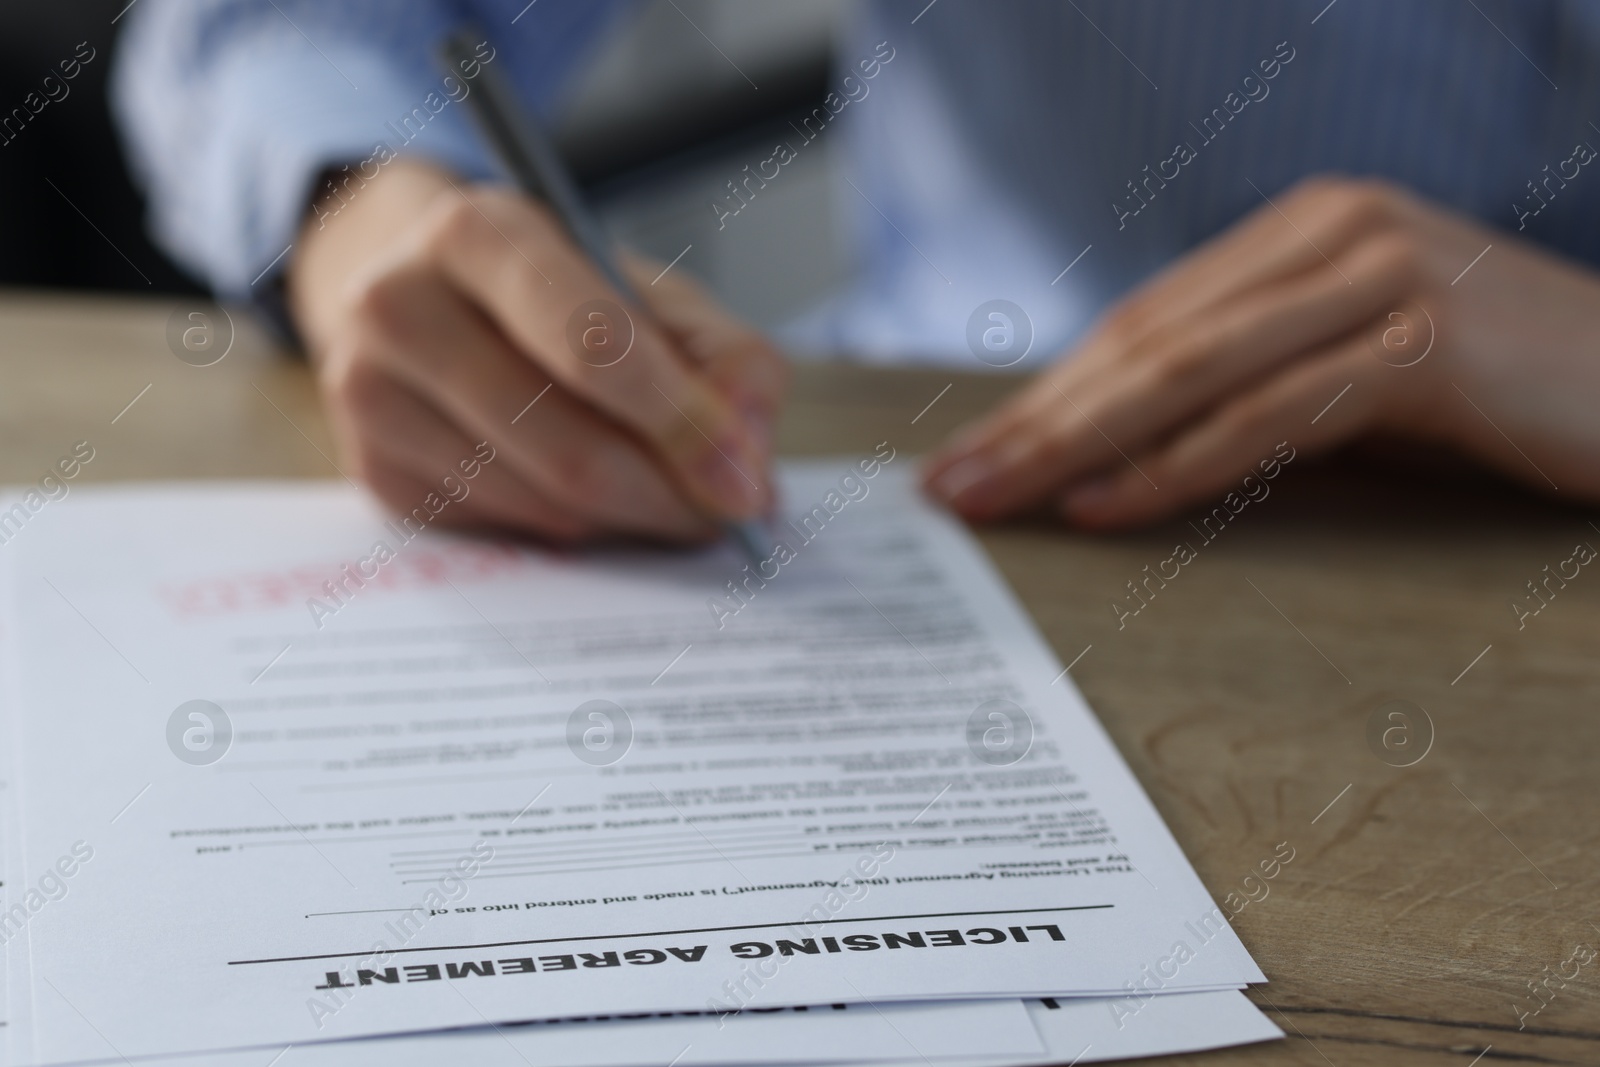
(1095, 1030)
(957, 1034)
(6, 929)
(840, 1034)
(857, 1033)
(1076, 1031)
(835, 1033)
(15, 989)
(826, 1034)
(13, 931)
(803, 790)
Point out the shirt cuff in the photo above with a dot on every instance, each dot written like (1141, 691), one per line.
(283, 119)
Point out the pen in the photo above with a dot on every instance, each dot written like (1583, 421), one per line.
(522, 145)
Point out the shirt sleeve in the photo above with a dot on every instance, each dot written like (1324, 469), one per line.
(231, 109)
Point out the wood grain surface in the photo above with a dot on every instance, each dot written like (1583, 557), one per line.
(1422, 901)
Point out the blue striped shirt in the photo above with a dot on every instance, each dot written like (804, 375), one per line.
(1001, 145)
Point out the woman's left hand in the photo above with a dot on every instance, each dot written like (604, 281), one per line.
(1343, 309)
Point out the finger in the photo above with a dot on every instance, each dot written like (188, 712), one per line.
(739, 362)
(1209, 462)
(1302, 229)
(1304, 232)
(514, 261)
(737, 358)
(1175, 376)
(510, 507)
(410, 453)
(425, 336)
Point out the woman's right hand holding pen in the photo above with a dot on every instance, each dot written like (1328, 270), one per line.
(440, 314)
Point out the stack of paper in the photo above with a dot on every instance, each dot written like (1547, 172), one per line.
(292, 780)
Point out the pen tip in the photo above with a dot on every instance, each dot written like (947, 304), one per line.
(752, 538)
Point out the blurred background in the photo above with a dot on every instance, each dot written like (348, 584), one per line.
(654, 128)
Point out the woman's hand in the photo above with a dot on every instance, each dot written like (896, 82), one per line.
(1338, 311)
(441, 315)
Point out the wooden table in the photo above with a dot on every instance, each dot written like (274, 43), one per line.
(1420, 901)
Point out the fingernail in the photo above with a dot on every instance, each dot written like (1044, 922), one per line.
(1090, 496)
(962, 477)
(758, 430)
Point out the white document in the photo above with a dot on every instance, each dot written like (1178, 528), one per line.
(12, 924)
(958, 1034)
(843, 1034)
(1075, 1031)
(802, 795)
(834, 1033)
(6, 985)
